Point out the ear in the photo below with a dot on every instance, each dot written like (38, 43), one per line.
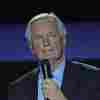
(62, 38)
(34, 52)
(62, 35)
(51, 19)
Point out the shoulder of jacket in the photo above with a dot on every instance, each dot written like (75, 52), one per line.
(72, 63)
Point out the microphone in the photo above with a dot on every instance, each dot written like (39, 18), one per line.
(46, 70)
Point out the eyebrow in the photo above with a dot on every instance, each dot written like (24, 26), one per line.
(45, 32)
(52, 33)
(37, 34)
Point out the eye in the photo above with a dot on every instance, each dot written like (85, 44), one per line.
(37, 36)
(51, 34)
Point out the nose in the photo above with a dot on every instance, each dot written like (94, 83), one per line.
(46, 42)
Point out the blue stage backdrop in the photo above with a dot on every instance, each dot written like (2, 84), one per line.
(84, 41)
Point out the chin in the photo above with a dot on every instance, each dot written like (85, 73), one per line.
(50, 55)
(53, 57)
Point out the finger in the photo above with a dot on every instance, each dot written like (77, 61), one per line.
(45, 89)
(50, 83)
(45, 93)
(47, 81)
(44, 85)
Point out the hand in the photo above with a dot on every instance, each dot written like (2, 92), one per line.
(51, 90)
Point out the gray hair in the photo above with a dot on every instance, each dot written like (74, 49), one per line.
(61, 28)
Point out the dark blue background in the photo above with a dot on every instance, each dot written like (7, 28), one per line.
(84, 41)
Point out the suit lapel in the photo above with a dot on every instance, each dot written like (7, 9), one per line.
(69, 81)
(66, 70)
(35, 86)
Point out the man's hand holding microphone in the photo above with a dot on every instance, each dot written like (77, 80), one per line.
(50, 89)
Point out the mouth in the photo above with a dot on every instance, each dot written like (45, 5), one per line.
(49, 53)
(46, 50)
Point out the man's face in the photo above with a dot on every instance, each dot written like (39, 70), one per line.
(46, 40)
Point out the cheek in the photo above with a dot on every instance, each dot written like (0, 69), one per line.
(36, 47)
(57, 43)
(35, 51)
(38, 43)
(53, 41)
(57, 46)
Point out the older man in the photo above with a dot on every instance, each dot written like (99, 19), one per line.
(46, 37)
(47, 42)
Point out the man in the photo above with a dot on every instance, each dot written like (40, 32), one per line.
(46, 37)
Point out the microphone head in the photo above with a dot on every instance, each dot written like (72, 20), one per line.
(44, 61)
(46, 68)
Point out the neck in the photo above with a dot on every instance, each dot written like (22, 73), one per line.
(55, 62)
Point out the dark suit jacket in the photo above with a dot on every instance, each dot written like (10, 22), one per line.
(79, 83)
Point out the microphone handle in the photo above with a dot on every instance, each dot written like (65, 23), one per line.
(46, 69)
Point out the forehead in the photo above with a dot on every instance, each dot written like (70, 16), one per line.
(44, 25)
